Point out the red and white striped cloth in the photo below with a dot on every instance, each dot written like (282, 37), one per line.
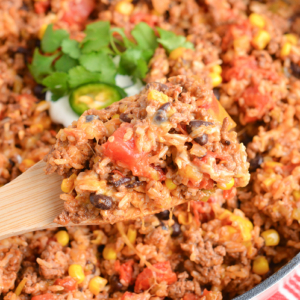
(288, 289)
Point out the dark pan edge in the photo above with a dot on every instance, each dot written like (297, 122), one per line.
(272, 280)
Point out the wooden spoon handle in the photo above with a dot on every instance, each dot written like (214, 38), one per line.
(30, 202)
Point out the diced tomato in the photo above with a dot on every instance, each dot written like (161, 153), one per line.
(151, 20)
(238, 68)
(229, 194)
(132, 296)
(205, 183)
(40, 7)
(43, 297)
(127, 153)
(52, 239)
(77, 12)
(69, 283)
(253, 98)
(125, 270)
(234, 32)
(190, 296)
(202, 211)
(146, 278)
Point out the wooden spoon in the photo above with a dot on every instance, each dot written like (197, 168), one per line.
(31, 202)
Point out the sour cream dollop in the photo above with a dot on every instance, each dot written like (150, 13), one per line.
(62, 113)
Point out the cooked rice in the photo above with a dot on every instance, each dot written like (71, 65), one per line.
(210, 252)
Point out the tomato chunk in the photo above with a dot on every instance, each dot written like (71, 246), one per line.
(151, 20)
(125, 270)
(190, 296)
(78, 11)
(132, 296)
(127, 153)
(69, 283)
(161, 271)
(43, 297)
(40, 7)
(253, 98)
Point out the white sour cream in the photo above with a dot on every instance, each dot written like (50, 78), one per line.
(62, 113)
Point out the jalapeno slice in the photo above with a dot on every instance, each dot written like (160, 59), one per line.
(94, 95)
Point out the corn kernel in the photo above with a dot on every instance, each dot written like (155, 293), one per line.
(216, 79)
(226, 186)
(185, 218)
(260, 265)
(244, 225)
(170, 184)
(291, 38)
(62, 237)
(157, 96)
(116, 116)
(26, 164)
(97, 284)
(20, 286)
(296, 214)
(296, 195)
(109, 252)
(286, 49)
(67, 184)
(131, 234)
(76, 272)
(271, 237)
(257, 20)
(217, 69)
(124, 8)
(42, 31)
(261, 40)
(176, 53)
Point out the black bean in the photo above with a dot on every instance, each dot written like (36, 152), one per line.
(246, 138)
(37, 43)
(24, 7)
(201, 140)
(100, 248)
(163, 226)
(160, 117)
(180, 267)
(255, 163)
(125, 118)
(135, 184)
(121, 181)
(23, 50)
(195, 124)
(38, 91)
(115, 283)
(101, 201)
(217, 93)
(164, 215)
(165, 106)
(226, 142)
(176, 230)
(12, 163)
(295, 69)
(90, 118)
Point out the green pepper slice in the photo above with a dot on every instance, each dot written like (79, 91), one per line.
(94, 95)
